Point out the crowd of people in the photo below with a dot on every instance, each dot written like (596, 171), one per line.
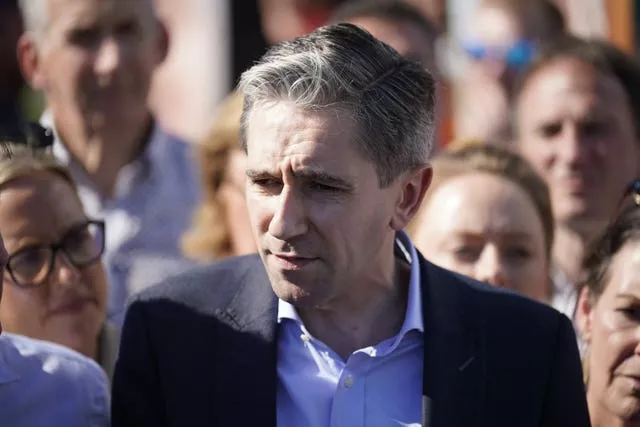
(327, 255)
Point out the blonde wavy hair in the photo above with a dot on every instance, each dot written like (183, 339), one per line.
(209, 238)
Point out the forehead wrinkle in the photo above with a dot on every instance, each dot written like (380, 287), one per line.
(497, 212)
(75, 13)
(625, 267)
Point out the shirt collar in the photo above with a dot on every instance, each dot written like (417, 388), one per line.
(413, 316)
(145, 164)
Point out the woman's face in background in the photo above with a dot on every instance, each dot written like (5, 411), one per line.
(610, 326)
(69, 307)
(486, 227)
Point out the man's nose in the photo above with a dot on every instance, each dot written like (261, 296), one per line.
(64, 272)
(572, 147)
(289, 218)
(108, 57)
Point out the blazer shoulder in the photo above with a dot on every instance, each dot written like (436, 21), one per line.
(505, 310)
(217, 282)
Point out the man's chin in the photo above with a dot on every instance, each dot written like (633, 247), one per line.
(581, 219)
(295, 295)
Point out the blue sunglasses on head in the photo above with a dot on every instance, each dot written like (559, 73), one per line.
(518, 55)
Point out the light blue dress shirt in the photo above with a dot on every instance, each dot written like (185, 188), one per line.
(44, 384)
(155, 197)
(377, 386)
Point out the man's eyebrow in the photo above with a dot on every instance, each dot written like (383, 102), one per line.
(628, 296)
(257, 174)
(324, 178)
(306, 174)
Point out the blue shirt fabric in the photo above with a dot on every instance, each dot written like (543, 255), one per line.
(154, 201)
(43, 384)
(376, 386)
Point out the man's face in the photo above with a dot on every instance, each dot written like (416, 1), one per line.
(96, 59)
(322, 223)
(576, 127)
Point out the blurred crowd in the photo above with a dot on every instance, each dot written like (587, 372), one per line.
(121, 155)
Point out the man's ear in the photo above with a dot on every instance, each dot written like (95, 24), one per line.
(29, 61)
(163, 42)
(412, 192)
(584, 314)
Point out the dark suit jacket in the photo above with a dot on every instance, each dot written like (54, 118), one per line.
(200, 350)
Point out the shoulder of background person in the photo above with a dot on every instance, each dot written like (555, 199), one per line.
(54, 367)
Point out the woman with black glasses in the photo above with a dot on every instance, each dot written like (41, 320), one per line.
(608, 318)
(55, 284)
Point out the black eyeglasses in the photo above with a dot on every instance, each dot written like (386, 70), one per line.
(83, 245)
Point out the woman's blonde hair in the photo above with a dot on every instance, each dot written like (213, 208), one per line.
(209, 237)
(18, 160)
(468, 156)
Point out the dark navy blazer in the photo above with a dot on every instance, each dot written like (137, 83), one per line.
(201, 350)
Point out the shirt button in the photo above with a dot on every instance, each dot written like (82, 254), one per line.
(305, 337)
(348, 382)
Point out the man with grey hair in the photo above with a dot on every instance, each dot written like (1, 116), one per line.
(94, 60)
(339, 320)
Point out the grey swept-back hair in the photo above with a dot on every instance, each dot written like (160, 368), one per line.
(35, 15)
(345, 68)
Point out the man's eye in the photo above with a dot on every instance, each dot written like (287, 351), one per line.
(594, 128)
(518, 253)
(318, 186)
(466, 253)
(630, 312)
(550, 130)
(266, 182)
(84, 37)
(129, 28)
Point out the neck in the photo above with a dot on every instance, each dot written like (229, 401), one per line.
(89, 349)
(102, 155)
(371, 315)
(569, 249)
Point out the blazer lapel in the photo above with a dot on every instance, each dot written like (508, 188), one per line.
(246, 374)
(454, 357)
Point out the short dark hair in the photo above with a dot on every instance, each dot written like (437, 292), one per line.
(624, 229)
(599, 54)
(389, 10)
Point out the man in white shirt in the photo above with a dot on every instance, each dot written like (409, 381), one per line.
(94, 61)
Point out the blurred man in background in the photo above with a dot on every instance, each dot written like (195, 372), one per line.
(577, 117)
(94, 60)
